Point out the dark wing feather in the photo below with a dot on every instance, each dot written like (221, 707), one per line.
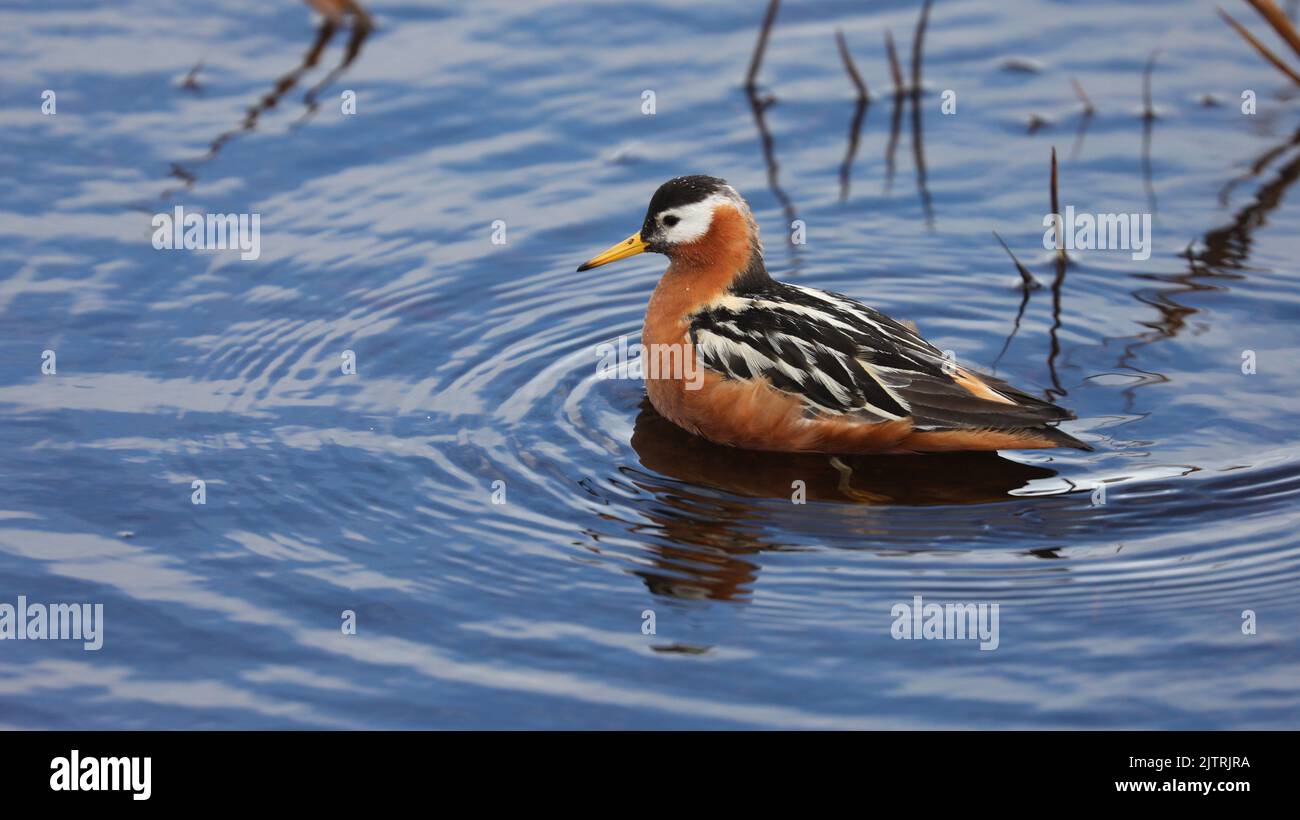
(817, 362)
(842, 357)
(942, 403)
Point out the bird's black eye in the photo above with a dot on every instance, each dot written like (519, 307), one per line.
(671, 220)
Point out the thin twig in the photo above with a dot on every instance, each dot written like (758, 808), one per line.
(1083, 95)
(917, 44)
(1027, 279)
(896, 120)
(918, 139)
(1084, 121)
(1061, 262)
(852, 69)
(191, 80)
(1270, 12)
(1260, 47)
(1148, 109)
(1053, 332)
(1148, 123)
(894, 68)
(1028, 284)
(859, 113)
(751, 79)
(1056, 208)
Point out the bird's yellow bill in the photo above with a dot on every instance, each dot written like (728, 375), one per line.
(628, 247)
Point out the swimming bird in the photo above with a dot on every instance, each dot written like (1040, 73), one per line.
(763, 365)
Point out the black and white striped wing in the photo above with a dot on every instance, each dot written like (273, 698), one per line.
(842, 357)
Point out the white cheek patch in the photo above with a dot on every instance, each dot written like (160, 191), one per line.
(695, 220)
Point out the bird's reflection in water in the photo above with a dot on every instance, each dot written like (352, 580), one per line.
(707, 546)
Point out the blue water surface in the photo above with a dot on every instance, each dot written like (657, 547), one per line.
(476, 381)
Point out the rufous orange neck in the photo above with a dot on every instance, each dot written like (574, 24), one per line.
(700, 272)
